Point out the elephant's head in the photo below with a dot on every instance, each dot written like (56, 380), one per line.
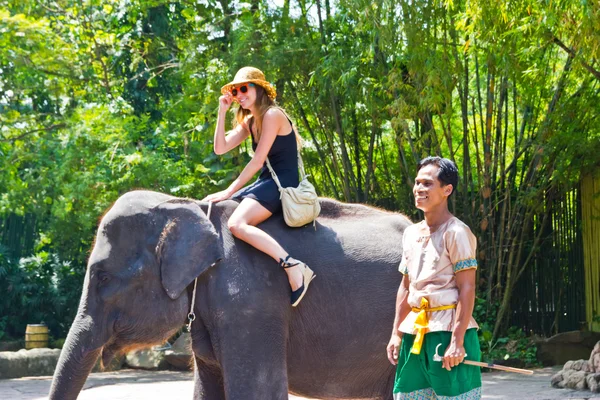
(149, 248)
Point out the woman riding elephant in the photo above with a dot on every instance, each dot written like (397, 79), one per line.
(273, 136)
(140, 285)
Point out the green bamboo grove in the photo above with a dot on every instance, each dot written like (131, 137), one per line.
(101, 97)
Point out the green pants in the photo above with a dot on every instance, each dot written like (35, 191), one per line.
(419, 377)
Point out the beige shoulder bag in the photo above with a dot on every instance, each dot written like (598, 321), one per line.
(300, 204)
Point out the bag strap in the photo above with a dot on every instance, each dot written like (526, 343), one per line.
(273, 174)
(300, 168)
(300, 162)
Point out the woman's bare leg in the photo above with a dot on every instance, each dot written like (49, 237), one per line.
(242, 225)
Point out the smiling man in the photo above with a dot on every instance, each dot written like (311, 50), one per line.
(435, 300)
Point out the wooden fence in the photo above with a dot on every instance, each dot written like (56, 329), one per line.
(550, 296)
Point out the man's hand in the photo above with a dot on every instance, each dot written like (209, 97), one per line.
(393, 348)
(454, 355)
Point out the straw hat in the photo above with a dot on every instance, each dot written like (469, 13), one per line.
(250, 75)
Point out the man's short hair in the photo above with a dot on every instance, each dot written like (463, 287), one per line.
(448, 172)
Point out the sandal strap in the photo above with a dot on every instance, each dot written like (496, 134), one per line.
(285, 264)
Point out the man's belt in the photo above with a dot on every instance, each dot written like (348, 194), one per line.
(422, 322)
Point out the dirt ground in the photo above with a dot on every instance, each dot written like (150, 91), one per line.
(151, 385)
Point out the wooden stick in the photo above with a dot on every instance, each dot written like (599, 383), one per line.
(438, 358)
(500, 367)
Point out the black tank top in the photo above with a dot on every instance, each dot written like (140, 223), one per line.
(283, 157)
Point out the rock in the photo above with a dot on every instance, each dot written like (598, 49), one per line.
(570, 379)
(180, 355)
(574, 380)
(34, 362)
(566, 376)
(579, 365)
(146, 359)
(12, 365)
(594, 360)
(593, 382)
(566, 346)
(580, 374)
(42, 361)
(556, 379)
(568, 365)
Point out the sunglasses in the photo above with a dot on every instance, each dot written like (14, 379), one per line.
(243, 89)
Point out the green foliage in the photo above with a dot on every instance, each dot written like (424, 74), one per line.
(37, 289)
(514, 349)
(57, 343)
(3, 324)
(98, 98)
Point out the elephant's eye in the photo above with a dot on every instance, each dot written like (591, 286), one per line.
(103, 277)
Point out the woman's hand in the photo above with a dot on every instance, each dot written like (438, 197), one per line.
(225, 102)
(219, 196)
(393, 348)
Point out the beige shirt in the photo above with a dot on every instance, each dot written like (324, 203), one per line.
(431, 262)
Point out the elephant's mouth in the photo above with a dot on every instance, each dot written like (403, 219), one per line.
(116, 347)
(112, 348)
(108, 353)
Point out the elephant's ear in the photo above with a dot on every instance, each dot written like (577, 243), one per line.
(188, 245)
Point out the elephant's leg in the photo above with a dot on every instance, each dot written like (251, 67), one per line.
(253, 361)
(254, 378)
(208, 382)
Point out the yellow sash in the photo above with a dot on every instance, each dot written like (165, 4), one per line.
(422, 322)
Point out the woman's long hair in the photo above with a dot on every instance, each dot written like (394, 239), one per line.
(263, 102)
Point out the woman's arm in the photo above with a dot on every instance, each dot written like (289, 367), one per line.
(226, 141)
(273, 120)
(272, 123)
(230, 140)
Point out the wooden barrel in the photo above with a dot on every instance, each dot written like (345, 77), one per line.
(36, 336)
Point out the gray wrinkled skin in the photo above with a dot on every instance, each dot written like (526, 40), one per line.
(249, 343)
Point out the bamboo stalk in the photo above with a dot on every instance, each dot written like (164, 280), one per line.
(320, 152)
(590, 187)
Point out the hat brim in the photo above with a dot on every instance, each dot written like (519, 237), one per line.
(271, 92)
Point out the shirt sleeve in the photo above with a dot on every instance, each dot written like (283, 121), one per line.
(462, 247)
(404, 262)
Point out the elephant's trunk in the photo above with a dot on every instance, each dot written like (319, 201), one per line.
(78, 356)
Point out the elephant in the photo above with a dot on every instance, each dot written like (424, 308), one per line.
(247, 341)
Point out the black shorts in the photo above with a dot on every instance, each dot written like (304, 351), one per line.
(263, 190)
